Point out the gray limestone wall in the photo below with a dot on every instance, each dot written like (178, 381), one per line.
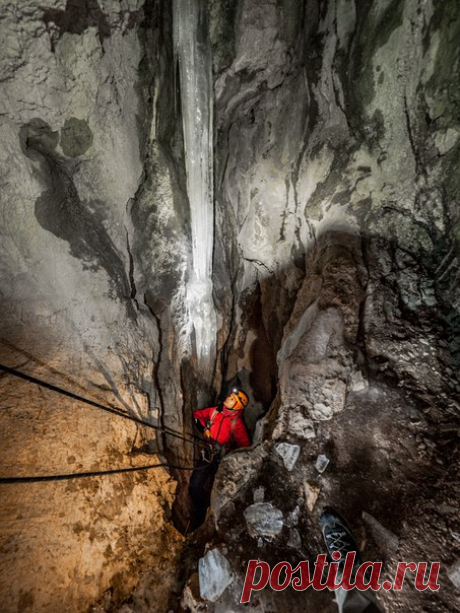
(338, 118)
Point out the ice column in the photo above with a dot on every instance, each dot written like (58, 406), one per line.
(193, 51)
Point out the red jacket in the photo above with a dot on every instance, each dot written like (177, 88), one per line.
(226, 427)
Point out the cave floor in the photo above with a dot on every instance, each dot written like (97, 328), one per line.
(397, 463)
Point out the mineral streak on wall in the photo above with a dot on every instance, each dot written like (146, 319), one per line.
(193, 51)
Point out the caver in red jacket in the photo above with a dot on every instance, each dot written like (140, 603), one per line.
(225, 426)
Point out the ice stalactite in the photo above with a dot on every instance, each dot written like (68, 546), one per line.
(193, 51)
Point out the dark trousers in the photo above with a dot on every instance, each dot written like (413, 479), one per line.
(199, 489)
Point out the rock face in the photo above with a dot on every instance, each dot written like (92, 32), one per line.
(346, 199)
(75, 124)
(335, 283)
(338, 200)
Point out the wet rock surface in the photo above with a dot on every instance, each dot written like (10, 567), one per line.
(73, 310)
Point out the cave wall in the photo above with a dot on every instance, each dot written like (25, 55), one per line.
(72, 161)
(339, 117)
(78, 81)
(337, 182)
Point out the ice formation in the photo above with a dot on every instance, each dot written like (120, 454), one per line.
(263, 519)
(289, 453)
(214, 575)
(193, 52)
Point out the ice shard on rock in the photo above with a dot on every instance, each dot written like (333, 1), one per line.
(214, 575)
(193, 52)
(263, 519)
(289, 453)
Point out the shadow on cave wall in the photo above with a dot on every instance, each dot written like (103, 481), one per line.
(60, 210)
(78, 16)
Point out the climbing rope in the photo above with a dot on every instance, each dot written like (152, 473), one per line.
(165, 429)
(113, 411)
(100, 473)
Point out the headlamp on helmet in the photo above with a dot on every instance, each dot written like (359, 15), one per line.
(241, 399)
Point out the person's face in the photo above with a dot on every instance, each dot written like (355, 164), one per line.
(229, 402)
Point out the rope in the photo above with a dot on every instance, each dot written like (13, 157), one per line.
(62, 477)
(113, 411)
(118, 412)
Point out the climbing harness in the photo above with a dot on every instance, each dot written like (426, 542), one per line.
(213, 449)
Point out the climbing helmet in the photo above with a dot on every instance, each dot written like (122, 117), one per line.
(241, 399)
